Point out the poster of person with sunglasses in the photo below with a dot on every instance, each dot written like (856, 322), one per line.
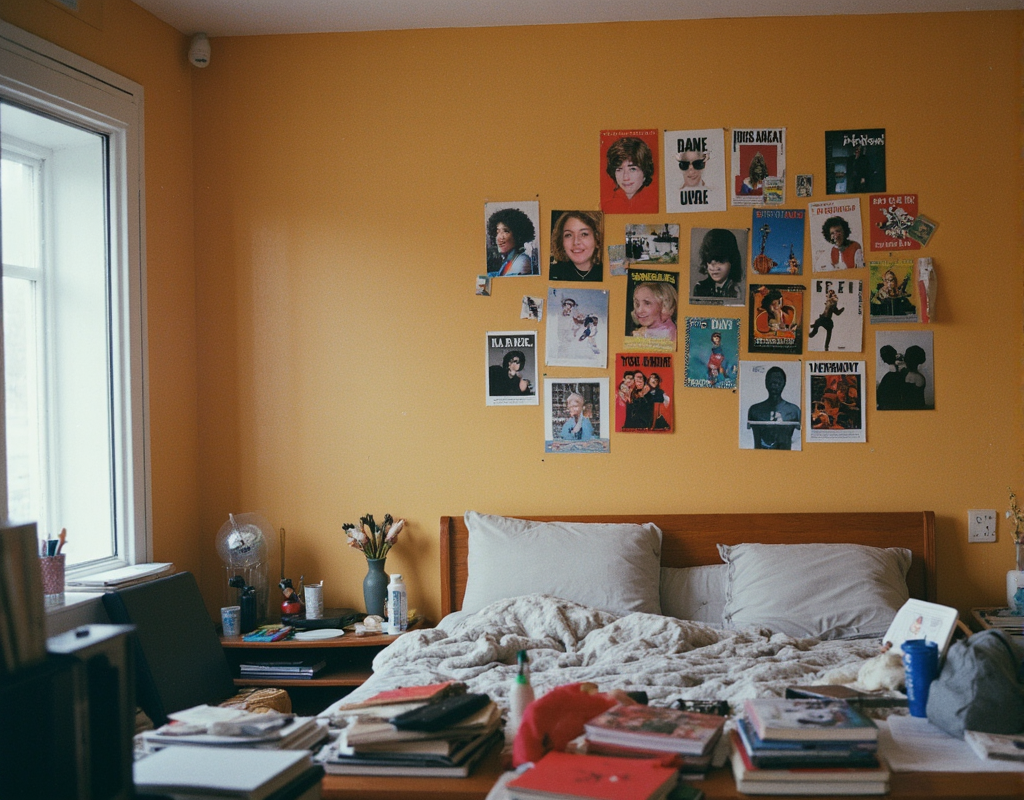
(695, 170)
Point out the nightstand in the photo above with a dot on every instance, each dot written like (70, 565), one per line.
(349, 664)
(1002, 619)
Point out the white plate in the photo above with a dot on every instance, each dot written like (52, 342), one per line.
(319, 633)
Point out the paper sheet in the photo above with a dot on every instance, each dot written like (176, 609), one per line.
(913, 744)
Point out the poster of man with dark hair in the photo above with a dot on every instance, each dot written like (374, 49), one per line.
(855, 161)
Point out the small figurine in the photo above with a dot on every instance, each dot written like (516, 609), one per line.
(292, 602)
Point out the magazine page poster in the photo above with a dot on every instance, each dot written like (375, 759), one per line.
(905, 371)
(643, 400)
(652, 244)
(757, 154)
(577, 328)
(779, 237)
(718, 267)
(892, 291)
(629, 172)
(512, 368)
(890, 217)
(652, 306)
(532, 308)
(836, 316)
(512, 239)
(770, 405)
(835, 391)
(855, 161)
(776, 318)
(836, 235)
(577, 246)
(712, 352)
(576, 415)
(695, 170)
(804, 185)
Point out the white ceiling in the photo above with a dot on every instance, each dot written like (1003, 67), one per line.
(255, 17)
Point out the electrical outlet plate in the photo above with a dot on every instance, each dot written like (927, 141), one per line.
(981, 525)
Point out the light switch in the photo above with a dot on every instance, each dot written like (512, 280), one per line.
(981, 525)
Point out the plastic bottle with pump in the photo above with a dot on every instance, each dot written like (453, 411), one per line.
(521, 693)
(398, 605)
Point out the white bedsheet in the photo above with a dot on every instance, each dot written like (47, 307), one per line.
(567, 643)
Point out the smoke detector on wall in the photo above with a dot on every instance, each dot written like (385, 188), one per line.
(199, 52)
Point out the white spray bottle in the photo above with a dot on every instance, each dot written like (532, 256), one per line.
(521, 693)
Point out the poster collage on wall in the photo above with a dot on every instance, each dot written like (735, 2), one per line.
(754, 298)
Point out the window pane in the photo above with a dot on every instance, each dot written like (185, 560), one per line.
(19, 213)
(58, 378)
(23, 498)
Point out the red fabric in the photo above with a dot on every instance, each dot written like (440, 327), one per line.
(554, 720)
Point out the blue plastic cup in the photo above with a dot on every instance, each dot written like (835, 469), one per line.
(920, 665)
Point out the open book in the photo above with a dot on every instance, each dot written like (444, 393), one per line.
(918, 619)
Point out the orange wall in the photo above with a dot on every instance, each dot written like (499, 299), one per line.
(335, 341)
(339, 212)
(133, 43)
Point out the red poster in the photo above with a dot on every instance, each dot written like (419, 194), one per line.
(890, 217)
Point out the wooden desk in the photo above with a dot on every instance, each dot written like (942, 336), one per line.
(719, 785)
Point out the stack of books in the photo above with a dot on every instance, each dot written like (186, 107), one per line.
(119, 578)
(297, 669)
(805, 746)
(641, 731)
(427, 731)
(214, 726)
(572, 776)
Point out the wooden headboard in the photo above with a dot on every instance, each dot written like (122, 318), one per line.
(689, 540)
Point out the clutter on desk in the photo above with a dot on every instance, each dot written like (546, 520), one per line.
(230, 727)
(268, 633)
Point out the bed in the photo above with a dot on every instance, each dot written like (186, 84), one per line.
(591, 612)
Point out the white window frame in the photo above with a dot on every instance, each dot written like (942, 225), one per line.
(50, 80)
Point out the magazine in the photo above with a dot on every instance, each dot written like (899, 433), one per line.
(712, 352)
(892, 291)
(511, 362)
(665, 729)
(643, 400)
(571, 775)
(808, 720)
(776, 321)
(718, 273)
(905, 371)
(1003, 747)
(629, 172)
(855, 161)
(918, 619)
(695, 170)
(577, 328)
(836, 235)
(836, 316)
(652, 307)
(576, 415)
(757, 154)
(769, 405)
(891, 217)
(835, 390)
(779, 235)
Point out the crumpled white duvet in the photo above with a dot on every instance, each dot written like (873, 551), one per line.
(665, 657)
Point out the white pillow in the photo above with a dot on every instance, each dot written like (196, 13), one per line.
(832, 591)
(605, 565)
(695, 593)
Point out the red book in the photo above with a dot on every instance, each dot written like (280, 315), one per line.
(565, 776)
(410, 694)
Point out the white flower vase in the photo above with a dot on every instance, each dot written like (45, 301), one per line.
(1015, 583)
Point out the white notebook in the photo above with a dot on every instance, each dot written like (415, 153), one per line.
(227, 771)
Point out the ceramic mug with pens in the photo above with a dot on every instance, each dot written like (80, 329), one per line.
(51, 562)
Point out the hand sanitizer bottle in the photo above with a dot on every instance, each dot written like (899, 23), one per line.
(398, 605)
(521, 693)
